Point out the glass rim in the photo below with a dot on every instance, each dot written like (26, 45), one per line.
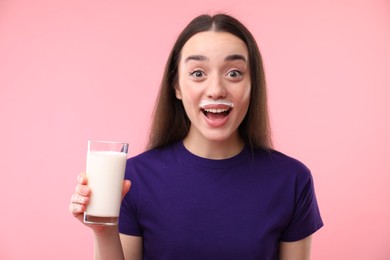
(106, 142)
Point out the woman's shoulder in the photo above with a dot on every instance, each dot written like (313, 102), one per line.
(150, 163)
(281, 161)
(154, 155)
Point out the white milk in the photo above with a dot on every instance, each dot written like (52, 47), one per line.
(105, 172)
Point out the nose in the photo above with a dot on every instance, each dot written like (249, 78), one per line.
(216, 88)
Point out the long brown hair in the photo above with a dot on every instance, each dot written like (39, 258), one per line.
(170, 122)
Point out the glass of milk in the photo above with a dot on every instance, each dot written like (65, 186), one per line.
(106, 163)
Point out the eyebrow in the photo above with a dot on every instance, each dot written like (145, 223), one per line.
(235, 57)
(196, 57)
(204, 58)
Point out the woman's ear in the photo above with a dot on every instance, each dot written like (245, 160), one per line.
(177, 92)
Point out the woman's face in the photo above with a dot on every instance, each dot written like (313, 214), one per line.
(214, 86)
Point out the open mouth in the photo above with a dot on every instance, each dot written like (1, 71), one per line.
(216, 113)
(216, 109)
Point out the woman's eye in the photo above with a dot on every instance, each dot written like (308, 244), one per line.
(234, 73)
(197, 73)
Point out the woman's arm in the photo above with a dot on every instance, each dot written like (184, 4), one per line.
(298, 250)
(132, 247)
(109, 244)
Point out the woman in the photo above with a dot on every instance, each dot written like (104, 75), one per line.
(210, 186)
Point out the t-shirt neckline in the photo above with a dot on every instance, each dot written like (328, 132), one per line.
(194, 160)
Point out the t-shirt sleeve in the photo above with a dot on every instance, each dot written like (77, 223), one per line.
(128, 217)
(306, 218)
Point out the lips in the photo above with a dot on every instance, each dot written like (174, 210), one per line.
(216, 111)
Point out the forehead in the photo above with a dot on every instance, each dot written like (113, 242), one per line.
(214, 44)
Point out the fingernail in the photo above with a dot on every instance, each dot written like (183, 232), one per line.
(80, 179)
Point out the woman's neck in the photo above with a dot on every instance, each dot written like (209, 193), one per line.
(214, 149)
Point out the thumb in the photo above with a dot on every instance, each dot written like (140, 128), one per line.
(126, 187)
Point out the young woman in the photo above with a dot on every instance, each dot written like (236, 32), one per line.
(210, 186)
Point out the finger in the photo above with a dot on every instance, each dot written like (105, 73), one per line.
(82, 190)
(82, 178)
(78, 199)
(76, 208)
(126, 187)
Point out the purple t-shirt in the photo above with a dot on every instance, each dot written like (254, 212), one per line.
(188, 207)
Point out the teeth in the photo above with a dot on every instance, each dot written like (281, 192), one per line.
(215, 110)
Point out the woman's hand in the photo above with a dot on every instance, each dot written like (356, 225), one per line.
(81, 197)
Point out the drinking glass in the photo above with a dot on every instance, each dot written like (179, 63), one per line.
(106, 163)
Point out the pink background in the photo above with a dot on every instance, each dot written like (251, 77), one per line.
(72, 70)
